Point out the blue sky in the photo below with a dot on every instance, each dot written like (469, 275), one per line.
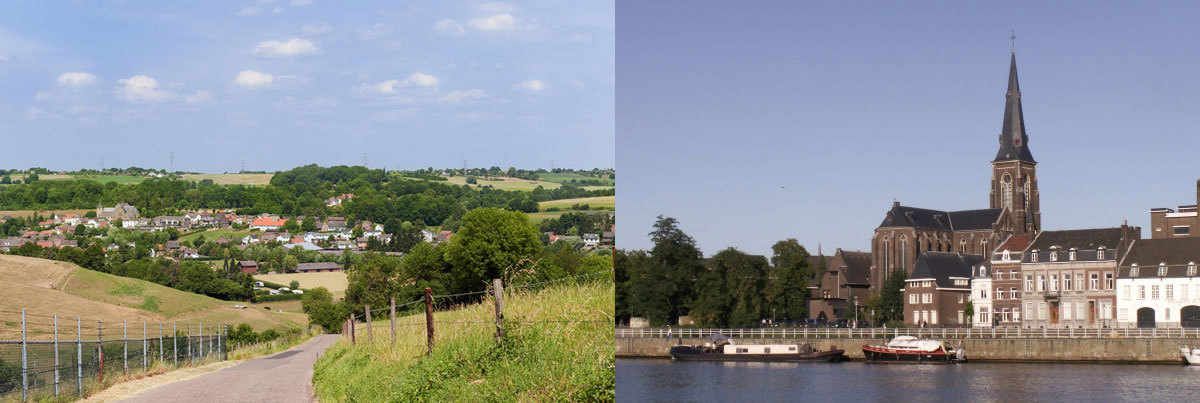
(290, 82)
(773, 120)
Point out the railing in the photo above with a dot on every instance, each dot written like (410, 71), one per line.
(943, 333)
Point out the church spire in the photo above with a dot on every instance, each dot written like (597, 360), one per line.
(1014, 143)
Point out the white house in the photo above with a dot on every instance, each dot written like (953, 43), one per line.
(591, 240)
(1157, 284)
(981, 282)
(428, 236)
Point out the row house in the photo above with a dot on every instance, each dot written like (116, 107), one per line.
(985, 314)
(1069, 277)
(937, 292)
(168, 221)
(1157, 284)
(1005, 270)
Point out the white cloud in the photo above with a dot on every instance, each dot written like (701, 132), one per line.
(291, 47)
(467, 95)
(530, 86)
(141, 88)
(254, 79)
(301, 2)
(498, 22)
(34, 113)
(494, 7)
(248, 12)
(316, 29)
(374, 32)
(199, 97)
(448, 27)
(417, 79)
(76, 79)
(394, 115)
(277, 10)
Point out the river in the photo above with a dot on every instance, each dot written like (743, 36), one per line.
(649, 380)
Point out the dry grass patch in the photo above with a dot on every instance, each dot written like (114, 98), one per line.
(232, 179)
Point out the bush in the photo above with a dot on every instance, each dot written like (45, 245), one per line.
(295, 285)
(280, 297)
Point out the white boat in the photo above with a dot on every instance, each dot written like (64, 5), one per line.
(1190, 354)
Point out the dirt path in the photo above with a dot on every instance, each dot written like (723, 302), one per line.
(281, 377)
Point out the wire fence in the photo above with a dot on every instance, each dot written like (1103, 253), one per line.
(46, 356)
(401, 321)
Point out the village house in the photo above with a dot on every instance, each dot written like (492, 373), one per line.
(1158, 284)
(267, 223)
(591, 240)
(248, 266)
(337, 200)
(937, 292)
(1004, 286)
(333, 224)
(981, 285)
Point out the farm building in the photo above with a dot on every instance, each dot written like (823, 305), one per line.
(318, 267)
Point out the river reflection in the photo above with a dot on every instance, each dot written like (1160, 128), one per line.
(640, 380)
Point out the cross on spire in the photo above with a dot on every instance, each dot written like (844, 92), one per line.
(1012, 36)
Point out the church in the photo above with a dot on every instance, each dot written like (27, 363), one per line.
(907, 231)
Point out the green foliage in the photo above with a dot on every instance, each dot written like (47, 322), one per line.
(295, 285)
(10, 377)
(489, 243)
(788, 292)
(891, 298)
(309, 224)
(287, 296)
(322, 311)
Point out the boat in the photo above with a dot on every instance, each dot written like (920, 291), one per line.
(721, 348)
(909, 349)
(1191, 355)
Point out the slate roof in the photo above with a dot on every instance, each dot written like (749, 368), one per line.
(940, 266)
(1148, 253)
(965, 220)
(1014, 143)
(1085, 241)
(858, 266)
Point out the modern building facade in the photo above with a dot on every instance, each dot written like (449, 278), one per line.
(1158, 285)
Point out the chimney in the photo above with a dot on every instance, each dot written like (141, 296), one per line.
(1198, 191)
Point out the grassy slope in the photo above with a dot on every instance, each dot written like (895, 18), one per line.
(594, 203)
(504, 184)
(549, 360)
(46, 287)
(564, 177)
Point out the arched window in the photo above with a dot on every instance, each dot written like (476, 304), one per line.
(1191, 269)
(1006, 255)
(1006, 192)
(1162, 269)
(983, 249)
(1071, 254)
(887, 258)
(962, 246)
(903, 252)
(1100, 253)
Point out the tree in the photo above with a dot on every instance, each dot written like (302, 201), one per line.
(295, 285)
(322, 311)
(5, 180)
(489, 242)
(969, 312)
(891, 299)
(788, 293)
(745, 281)
(373, 281)
(309, 224)
(677, 258)
(291, 226)
(289, 264)
(472, 180)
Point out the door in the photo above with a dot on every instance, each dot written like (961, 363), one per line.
(1091, 312)
(1053, 312)
(1145, 318)
(1189, 316)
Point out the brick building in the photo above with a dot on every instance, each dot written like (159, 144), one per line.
(844, 282)
(1168, 223)
(1005, 284)
(937, 292)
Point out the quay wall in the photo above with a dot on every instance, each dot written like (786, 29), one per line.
(1095, 350)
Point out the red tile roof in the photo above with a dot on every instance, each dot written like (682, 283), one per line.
(267, 221)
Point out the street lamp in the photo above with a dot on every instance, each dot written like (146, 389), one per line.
(856, 312)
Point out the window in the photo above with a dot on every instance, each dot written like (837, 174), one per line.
(1053, 281)
(1191, 269)
(1029, 310)
(1133, 270)
(1004, 315)
(1170, 291)
(1016, 314)
(887, 257)
(1053, 256)
(1033, 256)
(912, 298)
(1028, 282)
(1108, 281)
(1012, 293)
(1067, 282)
(983, 293)
(1168, 312)
(1162, 269)
(999, 293)
(960, 298)
(916, 317)
(1105, 310)
(983, 248)
(1094, 281)
(1125, 292)
(983, 315)
(999, 275)
(903, 252)
(1071, 254)
(1066, 311)
(1141, 292)
(1006, 255)
(926, 298)
(960, 316)
(1154, 291)
(1041, 282)
(962, 246)
(933, 316)
(1006, 192)
(1182, 230)
(1100, 253)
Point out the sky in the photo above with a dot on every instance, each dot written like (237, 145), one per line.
(284, 83)
(754, 123)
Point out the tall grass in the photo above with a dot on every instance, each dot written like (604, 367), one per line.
(557, 346)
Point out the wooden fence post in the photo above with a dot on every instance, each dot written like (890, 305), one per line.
(498, 295)
(393, 316)
(370, 339)
(429, 320)
(353, 335)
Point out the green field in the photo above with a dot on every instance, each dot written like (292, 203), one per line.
(504, 183)
(119, 179)
(594, 203)
(565, 177)
(558, 346)
(213, 234)
(232, 179)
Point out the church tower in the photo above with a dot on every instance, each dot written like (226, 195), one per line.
(1014, 172)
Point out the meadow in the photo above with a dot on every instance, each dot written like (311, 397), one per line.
(335, 282)
(505, 183)
(594, 203)
(232, 179)
(567, 177)
(558, 345)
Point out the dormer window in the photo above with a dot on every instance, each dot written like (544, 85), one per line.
(1191, 269)
(1133, 270)
(1033, 256)
(1071, 254)
(1006, 255)
(1162, 269)
(1100, 253)
(1053, 255)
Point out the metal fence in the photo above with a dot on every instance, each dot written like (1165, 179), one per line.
(44, 356)
(945, 333)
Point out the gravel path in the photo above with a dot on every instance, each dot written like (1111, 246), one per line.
(281, 377)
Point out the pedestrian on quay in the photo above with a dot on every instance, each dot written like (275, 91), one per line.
(668, 333)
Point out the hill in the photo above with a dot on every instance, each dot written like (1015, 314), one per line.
(47, 287)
